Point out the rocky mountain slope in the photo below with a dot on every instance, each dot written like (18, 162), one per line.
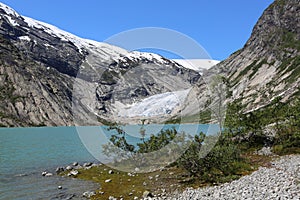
(44, 69)
(268, 65)
(41, 66)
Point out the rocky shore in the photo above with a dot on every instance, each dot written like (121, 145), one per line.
(280, 181)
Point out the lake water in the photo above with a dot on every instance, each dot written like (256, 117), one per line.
(26, 152)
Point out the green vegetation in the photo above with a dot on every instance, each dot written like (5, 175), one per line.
(281, 120)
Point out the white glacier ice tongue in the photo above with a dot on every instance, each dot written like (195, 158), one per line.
(156, 105)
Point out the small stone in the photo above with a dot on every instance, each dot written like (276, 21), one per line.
(130, 194)
(101, 192)
(75, 164)
(110, 171)
(107, 180)
(88, 194)
(59, 170)
(48, 174)
(137, 169)
(144, 184)
(147, 194)
(69, 167)
(59, 187)
(135, 198)
(87, 164)
(74, 172)
(44, 173)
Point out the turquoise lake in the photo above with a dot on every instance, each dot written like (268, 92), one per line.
(26, 152)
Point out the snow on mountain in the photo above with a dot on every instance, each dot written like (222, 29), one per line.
(80, 43)
(156, 105)
(197, 64)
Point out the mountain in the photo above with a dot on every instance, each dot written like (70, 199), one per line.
(51, 77)
(47, 74)
(268, 66)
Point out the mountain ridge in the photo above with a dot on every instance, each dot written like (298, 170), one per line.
(39, 65)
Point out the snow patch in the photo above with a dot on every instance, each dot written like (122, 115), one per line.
(25, 37)
(8, 10)
(197, 64)
(94, 46)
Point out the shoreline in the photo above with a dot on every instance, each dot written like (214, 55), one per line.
(279, 179)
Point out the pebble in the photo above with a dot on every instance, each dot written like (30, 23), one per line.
(48, 174)
(281, 181)
(88, 194)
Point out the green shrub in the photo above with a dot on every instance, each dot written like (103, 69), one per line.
(221, 164)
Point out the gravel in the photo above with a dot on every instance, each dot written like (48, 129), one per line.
(280, 181)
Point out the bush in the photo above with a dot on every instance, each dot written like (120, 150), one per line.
(221, 164)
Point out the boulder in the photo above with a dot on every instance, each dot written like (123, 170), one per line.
(44, 173)
(73, 173)
(59, 170)
(87, 164)
(48, 174)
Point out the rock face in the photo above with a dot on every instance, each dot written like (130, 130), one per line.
(266, 67)
(39, 65)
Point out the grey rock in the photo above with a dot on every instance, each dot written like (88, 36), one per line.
(265, 151)
(73, 173)
(59, 170)
(69, 167)
(48, 174)
(89, 194)
(44, 173)
(87, 164)
(147, 194)
(107, 180)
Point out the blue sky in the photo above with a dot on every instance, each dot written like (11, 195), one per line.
(220, 26)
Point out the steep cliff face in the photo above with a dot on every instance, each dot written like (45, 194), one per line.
(269, 64)
(40, 63)
(266, 67)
